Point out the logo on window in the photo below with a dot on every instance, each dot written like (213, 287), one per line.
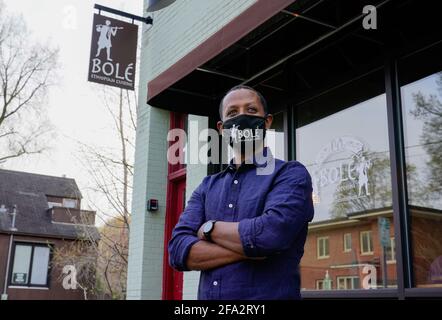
(343, 163)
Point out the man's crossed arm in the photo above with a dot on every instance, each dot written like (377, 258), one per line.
(225, 249)
(289, 208)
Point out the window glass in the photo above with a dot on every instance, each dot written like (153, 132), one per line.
(347, 242)
(30, 265)
(40, 264)
(323, 247)
(20, 269)
(54, 204)
(348, 283)
(275, 138)
(69, 203)
(366, 242)
(422, 118)
(347, 155)
(391, 251)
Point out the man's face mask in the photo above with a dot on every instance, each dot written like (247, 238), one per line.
(244, 130)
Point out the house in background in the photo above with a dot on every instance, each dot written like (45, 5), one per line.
(340, 253)
(47, 216)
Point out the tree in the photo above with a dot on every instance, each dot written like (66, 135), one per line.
(82, 255)
(429, 111)
(27, 70)
(111, 172)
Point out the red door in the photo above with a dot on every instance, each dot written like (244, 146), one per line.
(176, 197)
(172, 279)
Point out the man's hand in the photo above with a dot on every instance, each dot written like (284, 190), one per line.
(226, 235)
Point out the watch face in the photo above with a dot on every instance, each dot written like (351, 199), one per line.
(208, 226)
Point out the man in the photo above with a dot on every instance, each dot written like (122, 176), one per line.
(105, 39)
(243, 229)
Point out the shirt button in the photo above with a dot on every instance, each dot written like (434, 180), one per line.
(235, 182)
(230, 205)
(215, 283)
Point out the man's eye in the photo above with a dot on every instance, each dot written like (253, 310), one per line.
(252, 110)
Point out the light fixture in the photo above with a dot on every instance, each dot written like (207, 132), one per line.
(155, 5)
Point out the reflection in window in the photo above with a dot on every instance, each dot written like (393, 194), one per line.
(275, 138)
(391, 251)
(348, 283)
(422, 115)
(347, 242)
(323, 248)
(324, 284)
(347, 155)
(366, 242)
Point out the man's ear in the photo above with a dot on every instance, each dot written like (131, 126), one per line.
(219, 125)
(269, 120)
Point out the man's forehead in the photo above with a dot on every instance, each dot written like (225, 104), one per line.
(240, 96)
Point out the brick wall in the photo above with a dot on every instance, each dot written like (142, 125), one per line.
(54, 291)
(147, 229)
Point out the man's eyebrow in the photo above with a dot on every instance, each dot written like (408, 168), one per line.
(231, 107)
(249, 103)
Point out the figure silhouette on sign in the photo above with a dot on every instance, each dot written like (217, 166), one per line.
(362, 169)
(104, 41)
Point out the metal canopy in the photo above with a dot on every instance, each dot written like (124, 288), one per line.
(307, 48)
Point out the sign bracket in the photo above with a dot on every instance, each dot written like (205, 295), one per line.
(147, 20)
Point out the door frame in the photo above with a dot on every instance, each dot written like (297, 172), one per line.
(176, 176)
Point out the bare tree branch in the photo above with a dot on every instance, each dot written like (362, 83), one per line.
(111, 175)
(26, 71)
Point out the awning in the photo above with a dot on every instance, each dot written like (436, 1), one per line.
(287, 50)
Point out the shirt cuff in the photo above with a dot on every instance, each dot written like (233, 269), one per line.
(246, 230)
(189, 242)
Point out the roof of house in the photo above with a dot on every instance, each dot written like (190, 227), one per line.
(34, 183)
(28, 192)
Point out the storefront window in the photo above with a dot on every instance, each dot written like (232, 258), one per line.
(275, 138)
(422, 116)
(347, 155)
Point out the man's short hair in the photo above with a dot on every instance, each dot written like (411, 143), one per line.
(239, 87)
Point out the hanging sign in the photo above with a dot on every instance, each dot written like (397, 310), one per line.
(113, 52)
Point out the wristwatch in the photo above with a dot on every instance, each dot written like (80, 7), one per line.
(208, 228)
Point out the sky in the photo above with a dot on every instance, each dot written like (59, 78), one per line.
(74, 107)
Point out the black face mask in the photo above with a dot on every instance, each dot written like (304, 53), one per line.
(245, 129)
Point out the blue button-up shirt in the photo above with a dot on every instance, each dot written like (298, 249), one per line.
(273, 210)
